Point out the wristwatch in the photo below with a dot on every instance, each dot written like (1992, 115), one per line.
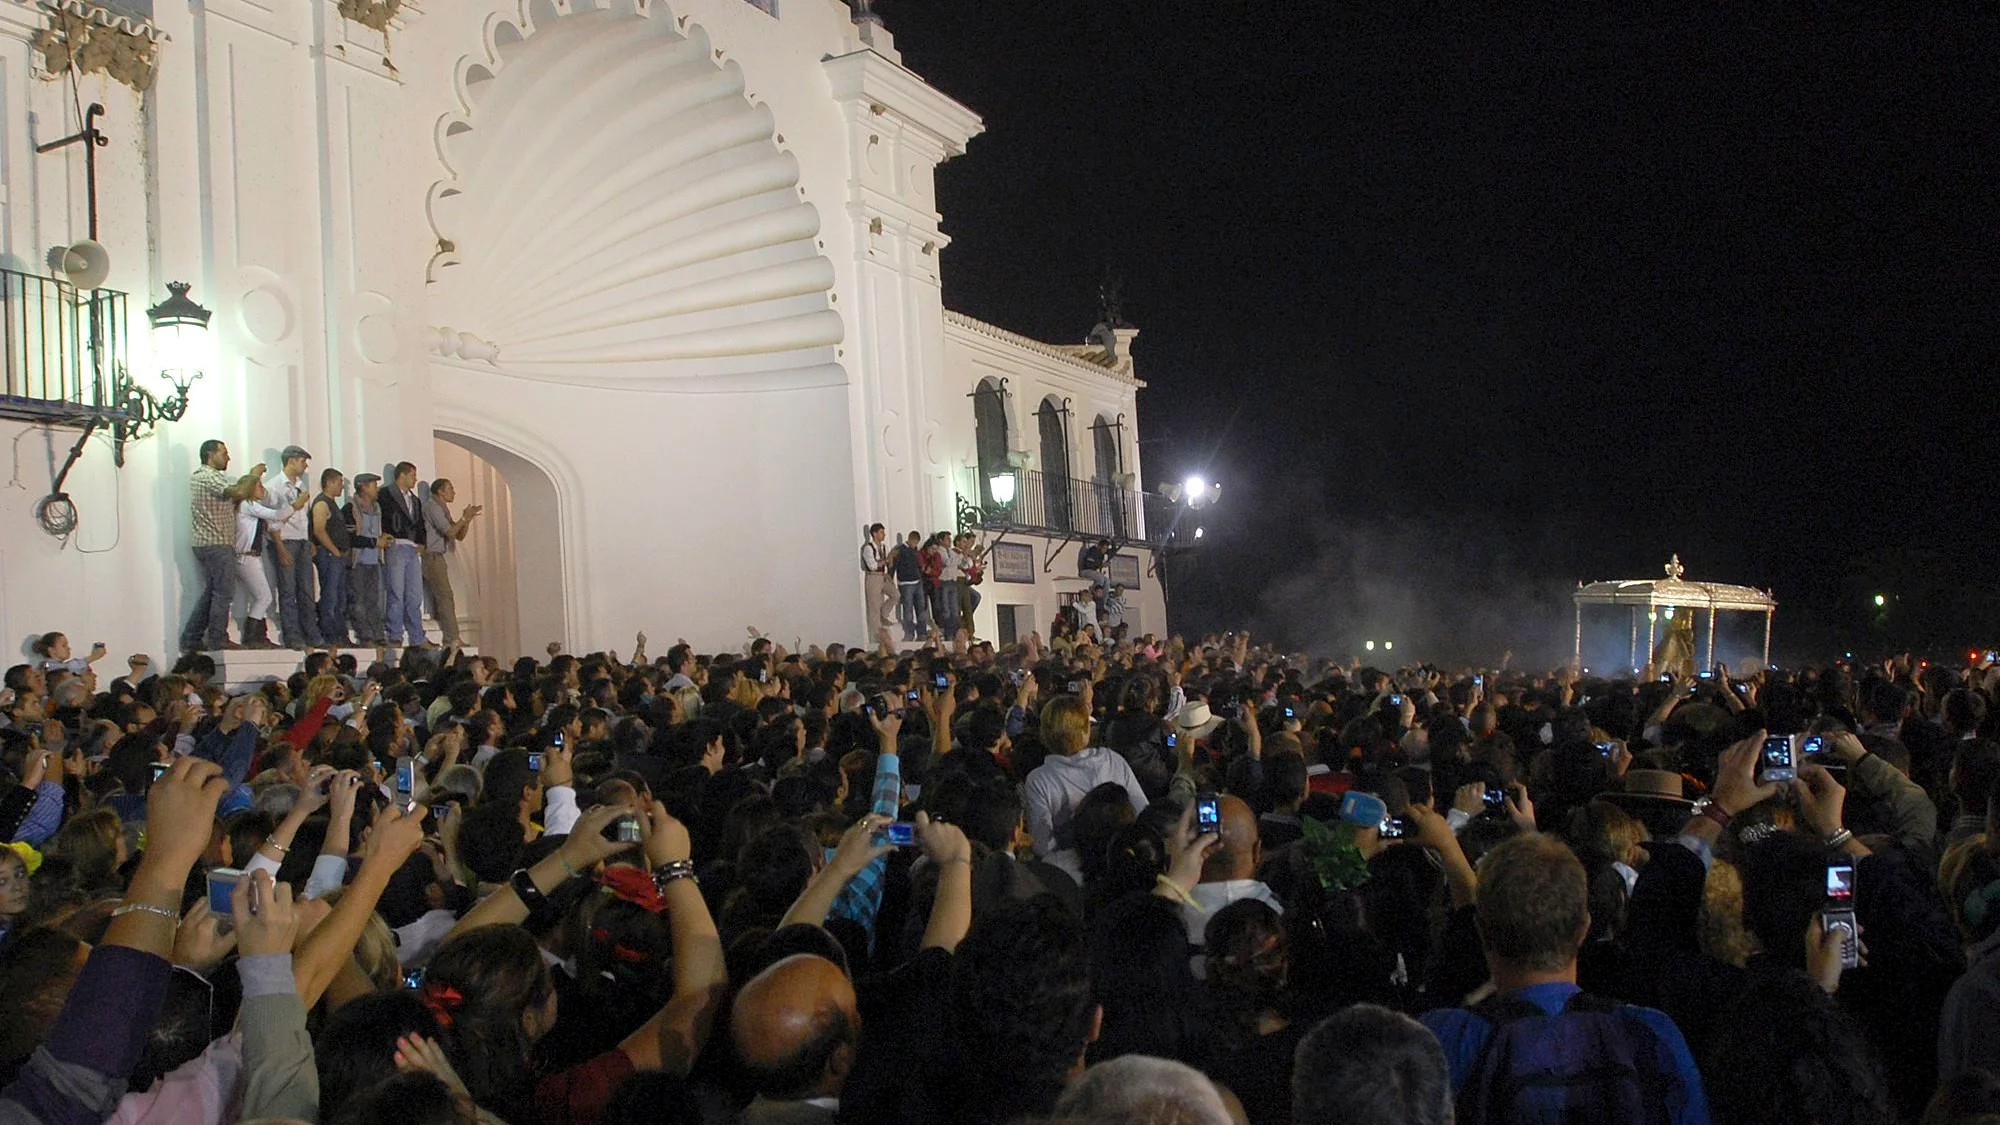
(669, 872)
(1708, 808)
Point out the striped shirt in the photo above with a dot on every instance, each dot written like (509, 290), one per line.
(213, 511)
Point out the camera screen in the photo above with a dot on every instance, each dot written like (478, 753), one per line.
(1778, 752)
(941, 680)
(535, 762)
(900, 833)
(1395, 701)
(1813, 744)
(222, 890)
(1840, 882)
(1207, 815)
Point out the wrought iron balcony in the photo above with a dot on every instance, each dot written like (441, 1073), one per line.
(1046, 504)
(64, 351)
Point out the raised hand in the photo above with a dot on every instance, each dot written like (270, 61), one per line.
(265, 916)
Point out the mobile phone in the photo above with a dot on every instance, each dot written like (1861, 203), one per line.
(1395, 701)
(560, 738)
(941, 680)
(1076, 687)
(901, 833)
(406, 776)
(1207, 816)
(1813, 746)
(1479, 681)
(222, 882)
(1776, 762)
(763, 674)
(1363, 810)
(913, 696)
(1838, 913)
(1606, 749)
(414, 978)
(160, 769)
(868, 710)
(535, 762)
(624, 829)
(1705, 674)
(439, 812)
(1395, 827)
(1496, 798)
(1289, 713)
(1173, 739)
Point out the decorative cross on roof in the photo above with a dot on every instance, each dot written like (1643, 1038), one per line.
(1675, 569)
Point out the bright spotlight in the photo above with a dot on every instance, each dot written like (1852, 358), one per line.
(1370, 646)
(1388, 646)
(1880, 601)
(1194, 488)
(1198, 532)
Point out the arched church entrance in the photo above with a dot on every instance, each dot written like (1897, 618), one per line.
(508, 572)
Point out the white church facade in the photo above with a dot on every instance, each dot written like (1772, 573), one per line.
(657, 283)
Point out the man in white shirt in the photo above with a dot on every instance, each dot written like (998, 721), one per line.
(298, 606)
(1228, 874)
(880, 602)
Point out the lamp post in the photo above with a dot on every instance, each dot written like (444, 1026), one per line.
(180, 351)
(1001, 487)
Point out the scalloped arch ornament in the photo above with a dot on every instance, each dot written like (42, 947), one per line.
(616, 211)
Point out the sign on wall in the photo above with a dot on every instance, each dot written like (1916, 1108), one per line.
(1125, 571)
(1013, 562)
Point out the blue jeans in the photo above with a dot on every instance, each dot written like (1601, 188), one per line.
(297, 614)
(910, 610)
(945, 605)
(332, 570)
(403, 573)
(365, 603)
(208, 625)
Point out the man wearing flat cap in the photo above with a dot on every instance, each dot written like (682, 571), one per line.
(298, 608)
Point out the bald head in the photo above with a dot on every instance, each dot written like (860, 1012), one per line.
(794, 1026)
(1236, 855)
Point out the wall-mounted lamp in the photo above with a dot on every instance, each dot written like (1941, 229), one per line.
(1001, 487)
(181, 346)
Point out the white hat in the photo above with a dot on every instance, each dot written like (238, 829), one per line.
(1195, 720)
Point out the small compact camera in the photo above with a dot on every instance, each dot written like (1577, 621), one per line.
(941, 680)
(222, 882)
(901, 833)
(1776, 762)
(1496, 798)
(624, 829)
(535, 762)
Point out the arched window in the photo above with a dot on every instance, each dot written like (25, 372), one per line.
(989, 420)
(1053, 421)
(1104, 435)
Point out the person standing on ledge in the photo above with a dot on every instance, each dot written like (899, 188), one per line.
(364, 523)
(402, 564)
(333, 543)
(441, 538)
(880, 587)
(290, 541)
(212, 501)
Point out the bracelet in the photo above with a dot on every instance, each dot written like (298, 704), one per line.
(568, 871)
(271, 843)
(1839, 839)
(1714, 812)
(524, 886)
(146, 908)
(673, 872)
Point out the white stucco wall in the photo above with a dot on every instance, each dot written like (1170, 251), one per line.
(670, 269)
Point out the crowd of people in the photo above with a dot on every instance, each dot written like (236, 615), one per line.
(1152, 880)
(929, 588)
(346, 573)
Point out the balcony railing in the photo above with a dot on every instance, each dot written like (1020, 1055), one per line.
(63, 349)
(1057, 505)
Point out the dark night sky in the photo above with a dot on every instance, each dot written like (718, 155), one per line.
(1463, 307)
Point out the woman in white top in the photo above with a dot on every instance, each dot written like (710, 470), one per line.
(251, 581)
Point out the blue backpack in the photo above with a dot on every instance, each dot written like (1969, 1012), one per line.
(1590, 1062)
